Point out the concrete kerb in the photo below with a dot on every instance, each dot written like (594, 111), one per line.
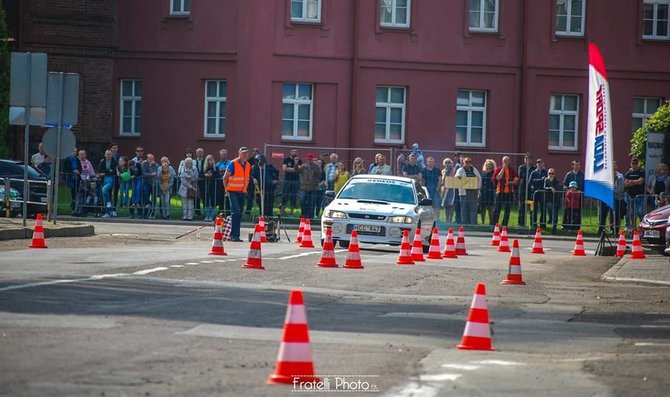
(12, 229)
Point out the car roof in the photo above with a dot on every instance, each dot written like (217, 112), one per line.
(390, 177)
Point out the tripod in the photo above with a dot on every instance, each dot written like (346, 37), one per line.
(278, 224)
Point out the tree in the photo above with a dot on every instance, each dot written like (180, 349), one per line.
(4, 84)
(658, 122)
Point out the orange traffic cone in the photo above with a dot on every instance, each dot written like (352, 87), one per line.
(354, 255)
(460, 242)
(495, 240)
(579, 245)
(435, 251)
(261, 223)
(477, 334)
(514, 272)
(504, 242)
(417, 247)
(38, 234)
(217, 239)
(449, 248)
(537, 244)
(307, 236)
(328, 252)
(621, 244)
(294, 361)
(254, 260)
(405, 257)
(301, 231)
(637, 252)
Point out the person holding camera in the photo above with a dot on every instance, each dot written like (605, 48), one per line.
(266, 178)
(291, 181)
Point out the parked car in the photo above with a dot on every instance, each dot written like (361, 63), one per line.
(380, 208)
(14, 204)
(653, 228)
(37, 184)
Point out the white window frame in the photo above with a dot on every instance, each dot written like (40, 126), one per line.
(297, 101)
(178, 8)
(571, 13)
(655, 34)
(481, 17)
(561, 130)
(646, 112)
(470, 109)
(134, 100)
(388, 106)
(220, 128)
(305, 6)
(393, 5)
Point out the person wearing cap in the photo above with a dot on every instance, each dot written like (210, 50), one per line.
(573, 198)
(574, 175)
(419, 156)
(266, 178)
(537, 192)
(291, 182)
(310, 177)
(235, 182)
(553, 198)
(634, 193)
(251, 189)
(524, 171)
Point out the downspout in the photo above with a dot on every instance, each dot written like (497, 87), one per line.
(354, 77)
(519, 132)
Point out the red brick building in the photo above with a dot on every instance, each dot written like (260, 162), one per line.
(467, 75)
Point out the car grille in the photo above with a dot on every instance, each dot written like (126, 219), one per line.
(368, 216)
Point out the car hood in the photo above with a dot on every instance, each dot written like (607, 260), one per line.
(366, 206)
(658, 215)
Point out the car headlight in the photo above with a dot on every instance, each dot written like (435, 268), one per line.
(336, 214)
(401, 219)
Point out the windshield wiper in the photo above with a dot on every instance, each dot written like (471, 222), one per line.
(372, 201)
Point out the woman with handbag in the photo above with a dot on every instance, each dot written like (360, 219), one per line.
(188, 189)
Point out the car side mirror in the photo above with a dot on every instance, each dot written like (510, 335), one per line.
(330, 194)
(426, 202)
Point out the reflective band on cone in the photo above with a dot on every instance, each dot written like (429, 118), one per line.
(217, 239)
(460, 242)
(637, 252)
(477, 333)
(354, 255)
(621, 244)
(449, 247)
(495, 240)
(307, 236)
(38, 234)
(405, 257)
(504, 242)
(328, 253)
(294, 361)
(435, 250)
(579, 245)
(417, 247)
(254, 259)
(514, 271)
(261, 223)
(301, 231)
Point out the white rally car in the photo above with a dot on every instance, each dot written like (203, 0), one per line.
(379, 207)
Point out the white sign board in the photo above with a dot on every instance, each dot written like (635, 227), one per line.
(654, 153)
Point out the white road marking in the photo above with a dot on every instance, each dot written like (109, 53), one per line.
(413, 389)
(464, 367)
(20, 286)
(101, 276)
(147, 271)
(192, 263)
(206, 261)
(655, 326)
(498, 362)
(176, 265)
(432, 316)
(651, 344)
(440, 377)
(219, 260)
(306, 254)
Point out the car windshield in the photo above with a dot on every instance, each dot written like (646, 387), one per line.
(379, 190)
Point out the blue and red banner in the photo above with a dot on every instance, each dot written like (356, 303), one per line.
(599, 167)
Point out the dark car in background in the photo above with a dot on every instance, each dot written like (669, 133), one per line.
(36, 183)
(653, 228)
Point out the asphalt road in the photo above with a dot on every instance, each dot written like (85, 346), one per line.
(136, 311)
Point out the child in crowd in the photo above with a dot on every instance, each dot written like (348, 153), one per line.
(573, 199)
(124, 183)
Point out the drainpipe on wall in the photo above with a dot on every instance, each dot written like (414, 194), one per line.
(354, 77)
(519, 132)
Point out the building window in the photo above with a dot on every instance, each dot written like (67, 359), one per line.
(570, 17)
(563, 120)
(306, 10)
(484, 15)
(216, 96)
(655, 19)
(471, 118)
(390, 115)
(131, 107)
(297, 110)
(395, 13)
(180, 7)
(643, 108)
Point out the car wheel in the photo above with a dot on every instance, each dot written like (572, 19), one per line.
(344, 244)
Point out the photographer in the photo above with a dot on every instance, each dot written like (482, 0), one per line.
(265, 177)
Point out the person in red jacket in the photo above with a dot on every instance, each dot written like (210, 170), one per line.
(505, 180)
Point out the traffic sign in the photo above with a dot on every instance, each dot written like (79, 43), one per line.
(67, 142)
(62, 98)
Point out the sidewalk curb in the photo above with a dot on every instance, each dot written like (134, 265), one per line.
(23, 233)
(610, 275)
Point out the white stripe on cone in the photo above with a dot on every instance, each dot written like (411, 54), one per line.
(296, 315)
(482, 330)
(295, 352)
